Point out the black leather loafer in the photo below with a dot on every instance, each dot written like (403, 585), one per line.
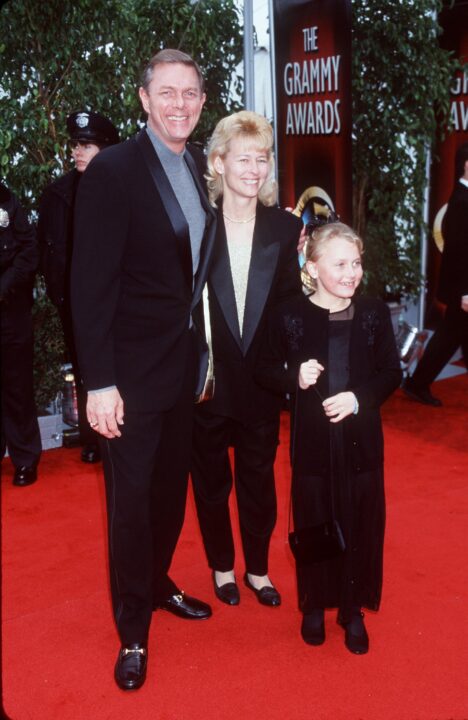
(90, 453)
(130, 668)
(227, 593)
(266, 595)
(421, 395)
(313, 628)
(25, 475)
(186, 607)
(356, 637)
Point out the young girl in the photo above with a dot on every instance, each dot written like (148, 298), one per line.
(341, 364)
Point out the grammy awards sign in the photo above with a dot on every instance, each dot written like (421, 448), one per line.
(312, 51)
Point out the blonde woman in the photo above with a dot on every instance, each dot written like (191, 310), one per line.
(255, 265)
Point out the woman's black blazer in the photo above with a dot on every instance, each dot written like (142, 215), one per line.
(274, 275)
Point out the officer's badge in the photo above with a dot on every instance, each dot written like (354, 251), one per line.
(4, 218)
(82, 120)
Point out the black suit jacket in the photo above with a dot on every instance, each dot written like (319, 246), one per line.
(131, 283)
(453, 281)
(55, 236)
(274, 275)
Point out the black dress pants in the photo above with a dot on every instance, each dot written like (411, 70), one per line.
(20, 429)
(146, 473)
(451, 333)
(254, 455)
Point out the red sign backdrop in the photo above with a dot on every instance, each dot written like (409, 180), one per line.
(313, 105)
(454, 21)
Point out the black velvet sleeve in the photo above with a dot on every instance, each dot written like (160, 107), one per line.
(386, 374)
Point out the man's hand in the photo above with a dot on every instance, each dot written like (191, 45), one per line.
(309, 373)
(302, 236)
(105, 412)
(464, 303)
(339, 406)
(302, 240)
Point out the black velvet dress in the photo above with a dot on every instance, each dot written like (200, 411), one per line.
(357, 349)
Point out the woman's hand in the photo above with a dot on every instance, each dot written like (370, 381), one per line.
(339, 406)
(309, 373)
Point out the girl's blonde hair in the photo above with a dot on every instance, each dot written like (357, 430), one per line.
(255, 130)
(318, 239)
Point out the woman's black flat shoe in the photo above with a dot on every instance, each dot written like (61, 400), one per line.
(227, 593)
(266, 595)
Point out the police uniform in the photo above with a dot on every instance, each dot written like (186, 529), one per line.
(55, 235)
(19, 257)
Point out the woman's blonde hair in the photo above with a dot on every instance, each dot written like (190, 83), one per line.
(315, 244)
(254, 129)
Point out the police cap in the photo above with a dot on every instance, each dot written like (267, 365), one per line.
(91, 127)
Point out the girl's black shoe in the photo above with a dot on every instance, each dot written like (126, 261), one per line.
(313, 627)
(356, 637)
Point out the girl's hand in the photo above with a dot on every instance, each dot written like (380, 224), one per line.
(309, 373)
(339, 406)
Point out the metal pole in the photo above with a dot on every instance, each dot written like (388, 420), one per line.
(423, 243)
(271, 35)
(249, 83)
(423, 257)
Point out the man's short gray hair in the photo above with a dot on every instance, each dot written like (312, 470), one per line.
(170, 56)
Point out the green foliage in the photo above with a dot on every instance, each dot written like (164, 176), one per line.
(64, 55)
(401, 81)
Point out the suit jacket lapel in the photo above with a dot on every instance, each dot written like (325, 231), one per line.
(170, 202)
(263, 263)
(221, 281)
(206, 250)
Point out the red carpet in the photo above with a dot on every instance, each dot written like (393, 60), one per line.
(249, 662)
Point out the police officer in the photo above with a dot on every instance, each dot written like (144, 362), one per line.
(19, 257)
(89, 133)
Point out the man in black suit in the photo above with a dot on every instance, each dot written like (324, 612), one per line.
(144, 237)
(452, 291)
